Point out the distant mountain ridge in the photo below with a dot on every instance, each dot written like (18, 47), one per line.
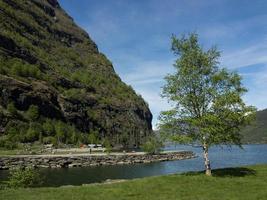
(51, 67)
(257, 131)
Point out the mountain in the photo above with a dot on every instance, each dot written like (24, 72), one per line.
(257, 131)
(55, 85)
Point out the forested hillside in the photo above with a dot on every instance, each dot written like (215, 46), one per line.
(55, 86)
(256, 132)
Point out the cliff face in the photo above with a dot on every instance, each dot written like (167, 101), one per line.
(48, 62)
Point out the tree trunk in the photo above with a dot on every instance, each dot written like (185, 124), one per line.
(206, 159)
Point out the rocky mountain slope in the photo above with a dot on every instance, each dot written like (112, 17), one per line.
(257, 131)
(54, 83)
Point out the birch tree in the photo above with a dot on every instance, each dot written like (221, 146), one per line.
(207, 105)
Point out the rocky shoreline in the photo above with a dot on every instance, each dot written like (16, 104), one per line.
(68, 161)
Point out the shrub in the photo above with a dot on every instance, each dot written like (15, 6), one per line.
(33, 113)
(61, 131)
(50, 140)
(107, 145)
(16, 130)
(153, 145)
(6, 144)
(33, 132)
(24, 177)
(11, 109)
(124, 139)
(22, 69)
(93, 137)
(71, 134)
(48, 128)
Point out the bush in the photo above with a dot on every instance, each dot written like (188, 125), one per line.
(61, 131)
(48, 127)
(6, 144)
(24, 177)
(50, 140)
(33, 132)
(33, 113)
(22, 69)
(153, 145)
(11, 109)
(107, 145)
(93, 137)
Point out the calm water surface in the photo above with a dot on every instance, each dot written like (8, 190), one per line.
(219, 157)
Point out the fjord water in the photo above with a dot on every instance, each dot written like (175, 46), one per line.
(219, 157)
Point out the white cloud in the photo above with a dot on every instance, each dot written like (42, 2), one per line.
(232, 29)
(149, 72)
(257, 87)
(252, 55)
(147, 78)
(250, 51)
(128, 49)
(155, 101)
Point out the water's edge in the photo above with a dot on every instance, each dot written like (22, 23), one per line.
(220, 157)
(69, 161)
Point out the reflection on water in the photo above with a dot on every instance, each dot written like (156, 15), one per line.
(226, 157)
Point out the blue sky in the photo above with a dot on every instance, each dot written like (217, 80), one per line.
(135, 36)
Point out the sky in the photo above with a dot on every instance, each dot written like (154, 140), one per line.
(136, 36)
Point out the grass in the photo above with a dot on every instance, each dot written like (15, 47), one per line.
(22, 149)
(244, 183)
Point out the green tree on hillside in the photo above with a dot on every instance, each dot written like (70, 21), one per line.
(12, 109)
(93, 137)
(48, 127)
(33, 132)
(61, 131)
(208, 108)
(33, 113)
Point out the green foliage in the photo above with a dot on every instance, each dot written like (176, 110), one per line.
(33, 133)
(50, 140)
(107, 145)
(124, 139)
(43, 130)
(33, 113)
(64, 59)
(241, 183)
(208, 100)
(7, 144)
(15, 131)
(153, 145)
(93, 137)
(72, 135)
(181, 139)
(12, 109)
(257, 131)
(26, 70)
(74, 93)
(48, 128)
(61, 131)
(23, 178)
(18, 67)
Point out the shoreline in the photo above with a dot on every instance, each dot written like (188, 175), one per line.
(67, 155)
(243, 182)
(85, 160)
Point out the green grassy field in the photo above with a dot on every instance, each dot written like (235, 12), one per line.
(244, 183)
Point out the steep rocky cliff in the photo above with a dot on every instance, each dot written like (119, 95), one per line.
(49, 66)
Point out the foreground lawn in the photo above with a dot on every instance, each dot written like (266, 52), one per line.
(244, 183)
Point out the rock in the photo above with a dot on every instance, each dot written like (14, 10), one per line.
(81, 88)
(74, 165)
(53, 3)
(89, 160)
